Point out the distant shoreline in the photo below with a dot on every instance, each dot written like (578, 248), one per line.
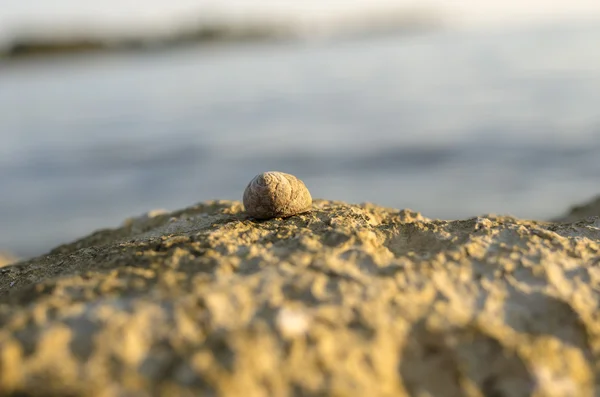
(34, 46)
(80, 44)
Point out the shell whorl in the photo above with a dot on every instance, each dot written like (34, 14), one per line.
(275, 194)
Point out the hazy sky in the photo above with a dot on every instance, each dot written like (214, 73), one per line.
(132, 13)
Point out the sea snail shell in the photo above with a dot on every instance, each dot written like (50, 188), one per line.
(276, 195)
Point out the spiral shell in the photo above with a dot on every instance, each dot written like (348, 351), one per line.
(275, 194)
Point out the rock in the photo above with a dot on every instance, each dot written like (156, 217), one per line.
(276, 195)
(349, 300)
(6, 258)
(141, 219)
(582, 211)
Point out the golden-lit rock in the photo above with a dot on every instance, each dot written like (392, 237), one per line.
(350, 300)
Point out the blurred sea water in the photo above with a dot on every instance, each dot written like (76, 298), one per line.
(451, 123)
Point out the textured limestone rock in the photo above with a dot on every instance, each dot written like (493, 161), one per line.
(346, 300)
(276, 195)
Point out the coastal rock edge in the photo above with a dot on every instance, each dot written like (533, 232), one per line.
(349, 300)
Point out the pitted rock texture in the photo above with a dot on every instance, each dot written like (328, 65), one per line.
(347, 300)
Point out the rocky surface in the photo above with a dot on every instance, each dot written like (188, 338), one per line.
(582, 211)
(347, 300)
